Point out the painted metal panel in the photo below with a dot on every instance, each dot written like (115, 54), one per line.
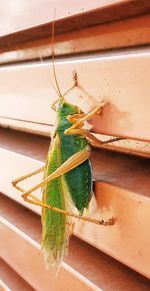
(119, 79)
(130, 208)
(41, 12)
(126, 33)
(10, 280)
(31, 266)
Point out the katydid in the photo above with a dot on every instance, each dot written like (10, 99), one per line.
(67, 181)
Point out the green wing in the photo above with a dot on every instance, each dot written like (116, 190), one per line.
(55, 231)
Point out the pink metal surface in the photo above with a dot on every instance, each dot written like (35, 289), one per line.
(129, 33)
(26, 14)
(120, 240)
(97, 267)
(11, 280)
(119, 79)
(24, 256)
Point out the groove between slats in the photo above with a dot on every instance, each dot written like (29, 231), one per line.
(3, 286)
(11, 280)
(108, 166)
(133, 147)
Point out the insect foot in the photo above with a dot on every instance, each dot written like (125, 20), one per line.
(110, 221)
(14, 183)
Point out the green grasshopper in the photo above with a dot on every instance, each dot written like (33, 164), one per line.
(67, 180)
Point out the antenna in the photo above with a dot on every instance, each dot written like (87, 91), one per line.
(53, 58)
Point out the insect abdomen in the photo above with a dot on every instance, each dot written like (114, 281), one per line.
(78, 180)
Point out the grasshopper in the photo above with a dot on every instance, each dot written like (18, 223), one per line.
(67, 180)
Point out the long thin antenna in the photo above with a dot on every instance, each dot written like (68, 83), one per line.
(53, 56)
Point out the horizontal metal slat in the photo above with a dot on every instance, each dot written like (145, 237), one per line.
(70, 15)
(132, 147)
(129, 33)
(30, 96)
(11, 280)
(33, 270)
(131, 210)
(20, 226)
(32, 19)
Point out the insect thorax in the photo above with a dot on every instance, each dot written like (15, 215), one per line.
(64, 110)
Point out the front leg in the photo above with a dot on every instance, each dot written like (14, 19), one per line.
(78, 119)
